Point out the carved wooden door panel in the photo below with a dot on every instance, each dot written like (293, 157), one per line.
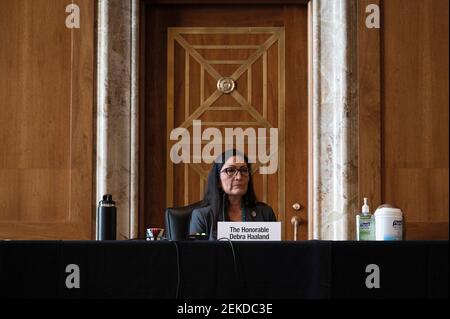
(202, 57)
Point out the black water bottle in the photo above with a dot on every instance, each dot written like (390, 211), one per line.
(106, 218)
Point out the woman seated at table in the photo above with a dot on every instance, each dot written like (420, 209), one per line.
(229, 196)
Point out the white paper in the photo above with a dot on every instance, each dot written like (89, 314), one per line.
(249, 231)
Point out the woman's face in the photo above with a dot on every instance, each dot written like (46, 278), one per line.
(234, 176)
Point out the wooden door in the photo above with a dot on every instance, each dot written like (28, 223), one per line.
(263, 50)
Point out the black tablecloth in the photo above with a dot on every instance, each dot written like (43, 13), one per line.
(143, 269)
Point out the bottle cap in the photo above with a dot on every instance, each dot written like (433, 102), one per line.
(107, 201)
(365, 207)
(389, 212)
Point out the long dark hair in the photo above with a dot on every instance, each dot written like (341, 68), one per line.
(215, 197)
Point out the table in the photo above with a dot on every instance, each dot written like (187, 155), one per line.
(207, 269)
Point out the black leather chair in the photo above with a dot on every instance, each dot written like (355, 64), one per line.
(177, 221)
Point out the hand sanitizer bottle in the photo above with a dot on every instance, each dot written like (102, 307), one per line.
(365, 224)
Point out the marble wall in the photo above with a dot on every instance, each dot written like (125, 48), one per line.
(334, 114)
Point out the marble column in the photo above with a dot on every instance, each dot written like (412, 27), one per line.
(334, 114)
(117, 111)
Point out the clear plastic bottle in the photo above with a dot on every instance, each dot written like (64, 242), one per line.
(365, 224)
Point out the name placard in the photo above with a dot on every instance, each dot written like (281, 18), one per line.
(249, 230)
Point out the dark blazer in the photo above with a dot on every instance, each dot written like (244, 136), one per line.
(204, 221)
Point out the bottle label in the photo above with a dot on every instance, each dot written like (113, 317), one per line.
(365, 226)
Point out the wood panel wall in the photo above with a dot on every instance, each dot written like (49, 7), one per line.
(369, 112)
(403, 103)
(415, 114)
(46, 116)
